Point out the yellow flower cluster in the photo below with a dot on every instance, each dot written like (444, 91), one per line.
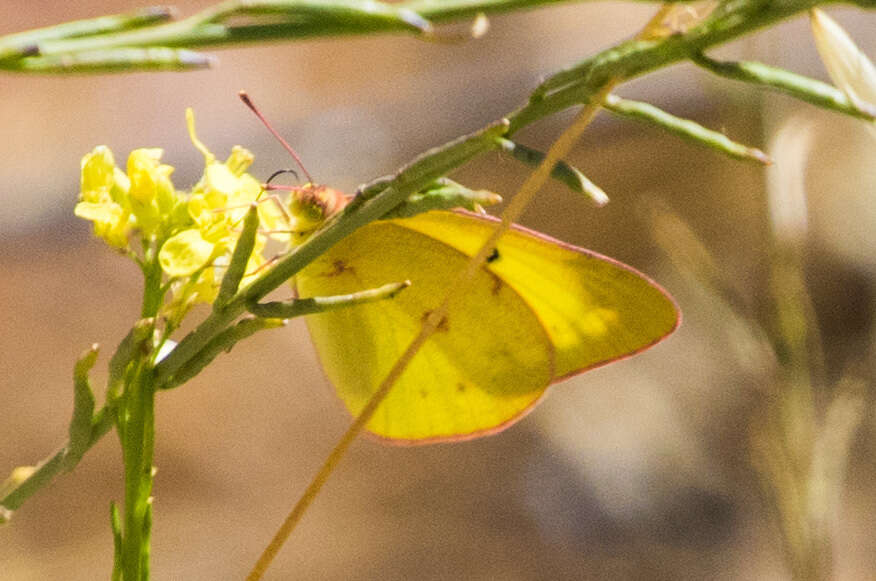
(193, 232)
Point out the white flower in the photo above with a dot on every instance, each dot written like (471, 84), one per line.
(849, 68)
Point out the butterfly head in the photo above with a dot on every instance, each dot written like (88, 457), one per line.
(312, 204)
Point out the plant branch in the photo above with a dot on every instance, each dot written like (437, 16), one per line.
(19, 489)
(563, 172)
(27, 43)
(684, 128)
(230, 23)
(239, 259)
(800, 87)
(573, 86)
(311, 305)
(113, 60)
(223, 341)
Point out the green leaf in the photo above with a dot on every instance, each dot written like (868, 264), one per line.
(443, 194)
(116, 527)
(27, 42)
(113, 60)
(684, 128)
(312, 305)
(563, 172)
(240, 258)
(128, 349)
(332, 16)
(223, 341)
(800, 87)
(83, 409)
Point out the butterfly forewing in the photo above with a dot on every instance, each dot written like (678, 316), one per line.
(487, 363)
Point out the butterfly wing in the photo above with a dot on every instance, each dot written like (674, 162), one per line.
(595, 309)
(486, 364)
(539, 311)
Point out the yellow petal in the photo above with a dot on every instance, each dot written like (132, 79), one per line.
(111, 221)
(239, 160)
(143, 170)
(219, 179)
(185, 253)
(97, 170)
(107, 212)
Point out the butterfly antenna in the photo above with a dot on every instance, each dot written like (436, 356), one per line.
(248, 102)
(280, 172)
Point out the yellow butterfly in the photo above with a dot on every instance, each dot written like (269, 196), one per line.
(539, 311)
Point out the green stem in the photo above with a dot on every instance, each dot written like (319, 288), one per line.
(116, 527)
(303, 19)
(231, 22)
(136, 426)
(137, 453)
(153, 296)
(310, 305)
(23, 43)
(798, 86)
(58, 462)
(249, 21)
(634, 58)
(563, 172)
(450, 10)
(684, 128)
(222, 342)
(239, 259)
(122, 60)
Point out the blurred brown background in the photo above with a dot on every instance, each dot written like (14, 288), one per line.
(635, 471)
